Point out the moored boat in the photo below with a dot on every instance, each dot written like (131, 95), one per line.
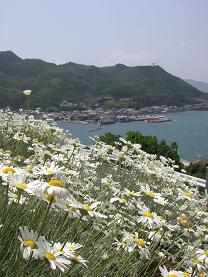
(158, 119)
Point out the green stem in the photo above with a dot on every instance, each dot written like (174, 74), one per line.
(27, 265)
(118, 274)
(40, 229)
(63, 223)
(6, 196)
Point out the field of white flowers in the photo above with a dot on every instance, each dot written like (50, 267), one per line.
(69, 210)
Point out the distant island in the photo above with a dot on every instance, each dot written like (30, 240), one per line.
(69, 84)
(202, 86)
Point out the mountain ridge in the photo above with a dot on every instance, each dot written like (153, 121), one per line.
(71, 82)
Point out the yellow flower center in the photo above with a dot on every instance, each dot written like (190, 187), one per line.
(123, 200)
(196, 261)
(30, 243)
(150, 193)
(87, 207)
(70, 207)
(29, 170)
(56, 183)
(183, 217)
(123, 243)
(148, 214)
(188, 194)
(132, 193)
(50, 256)
(140, 242)
(8, 169)
(206, 253)
(186, 274)
(109, 184)
(205, 231)
(16, 196)
(50, 198)
(21, 186)
(122, 158)
(72, 248)
(185, 221)
(191, 230)
(172, 275)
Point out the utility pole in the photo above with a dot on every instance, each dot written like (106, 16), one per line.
(207, 179)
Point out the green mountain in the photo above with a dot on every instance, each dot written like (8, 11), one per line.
(112, 86)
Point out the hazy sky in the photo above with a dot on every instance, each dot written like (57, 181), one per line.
(173, 33)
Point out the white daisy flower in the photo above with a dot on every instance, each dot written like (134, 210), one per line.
(18, 181)
(197, 264)
(79, 260)
(131, 193)
(21, 137)
(203, 255)
(90, 209)
(65, 251)
(54, 257)
(72, 246)
(172, 273)
(16, 198)
(157, 197)
(70, 205)
(27, 92)
(123, 244)
(4, 171)
(56, 188)
(121, 200)
(28, 241)
(134, 241)
(147, 217)
(48, 170)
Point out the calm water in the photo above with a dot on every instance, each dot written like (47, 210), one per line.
(188, 129)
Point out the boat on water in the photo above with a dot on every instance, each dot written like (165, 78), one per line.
(79, 122)
(107, 121)
(93, 130)
(158, 119)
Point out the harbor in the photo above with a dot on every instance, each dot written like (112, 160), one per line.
(98, 115)
(145, 118)
(192, 140)
(101, 116)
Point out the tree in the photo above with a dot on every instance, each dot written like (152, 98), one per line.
(198, 169)
(110, 139)
(174, 146)
(149, 144)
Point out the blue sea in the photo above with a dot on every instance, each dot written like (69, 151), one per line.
(188, 129)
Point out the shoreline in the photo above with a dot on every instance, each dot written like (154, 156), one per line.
(187, 128)
(85, 122)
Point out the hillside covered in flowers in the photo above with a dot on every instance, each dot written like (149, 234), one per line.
(71, 210)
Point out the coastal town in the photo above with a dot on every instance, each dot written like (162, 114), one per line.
(73, 113)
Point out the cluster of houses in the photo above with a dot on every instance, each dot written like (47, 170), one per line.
(75, 113)
(104, 116)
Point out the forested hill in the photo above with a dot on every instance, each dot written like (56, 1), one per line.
(112, 86)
